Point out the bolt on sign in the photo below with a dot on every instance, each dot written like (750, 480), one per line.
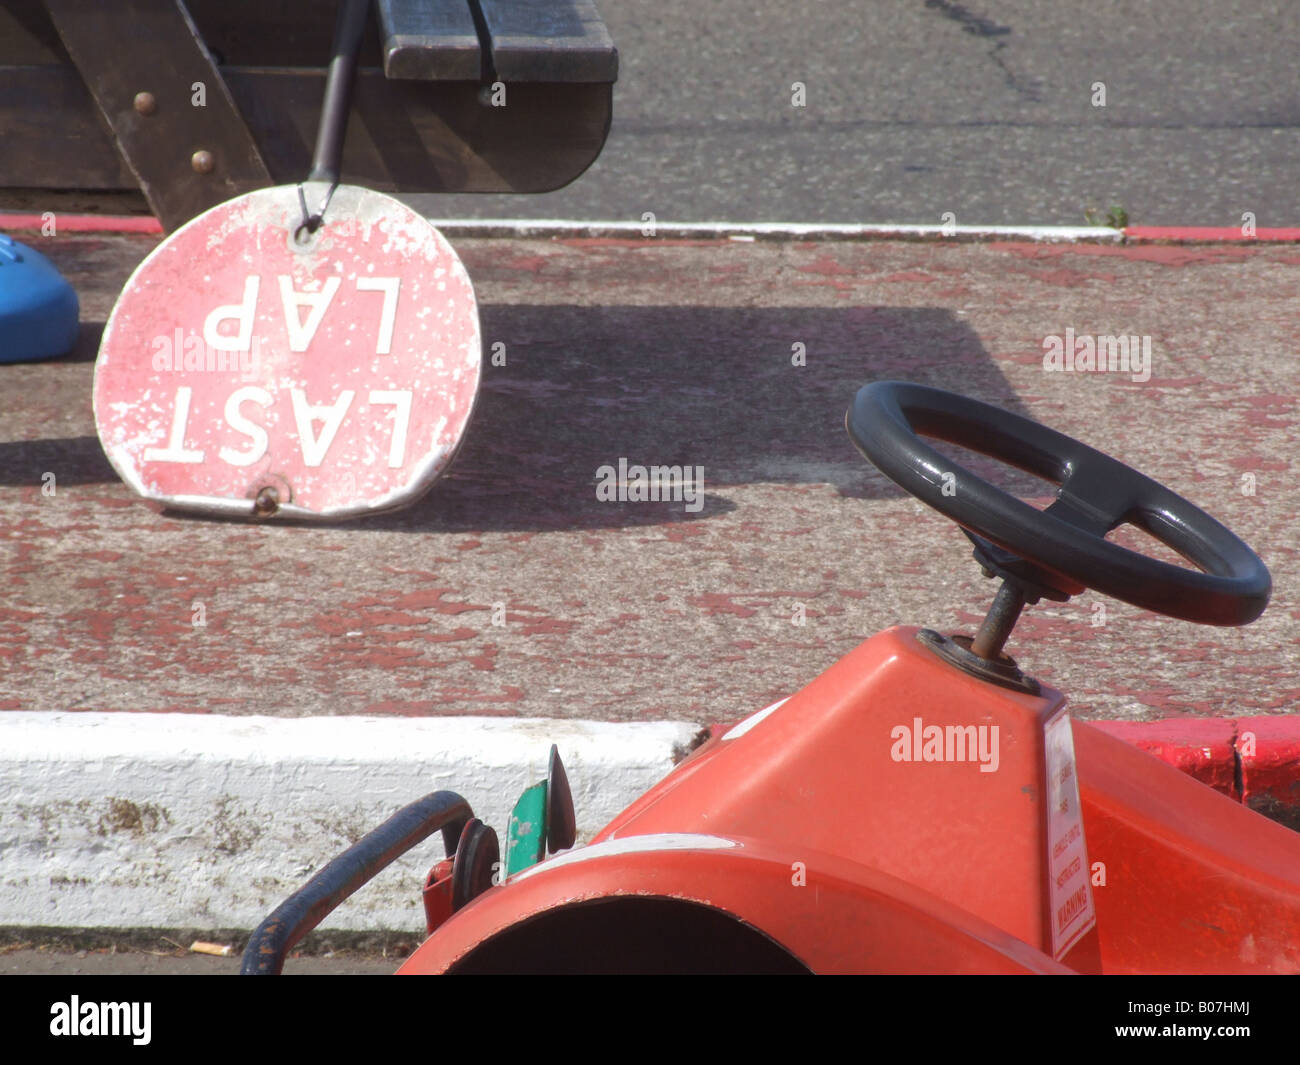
(257, 366)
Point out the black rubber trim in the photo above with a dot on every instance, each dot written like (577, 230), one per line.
(314, 901)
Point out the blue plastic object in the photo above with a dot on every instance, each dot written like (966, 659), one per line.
(39, 311)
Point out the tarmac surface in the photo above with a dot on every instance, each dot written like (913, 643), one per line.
(674, 352)
(141, 963)
(988, 110)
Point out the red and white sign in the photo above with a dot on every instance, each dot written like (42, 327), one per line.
(326, 379)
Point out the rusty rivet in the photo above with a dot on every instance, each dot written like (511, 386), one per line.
(202, 161)
(145, 103)
(267, 502)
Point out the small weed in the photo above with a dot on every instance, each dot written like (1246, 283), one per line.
(1116, 217)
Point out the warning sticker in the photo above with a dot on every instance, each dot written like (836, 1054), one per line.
(1070, 879)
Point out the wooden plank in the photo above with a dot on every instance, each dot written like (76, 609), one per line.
(248, 33)
(432, 40)
(27, 36)
(423, 136)
(53, 134)
(549, 40)
(161, 55)
(403, 136)
(275, 33)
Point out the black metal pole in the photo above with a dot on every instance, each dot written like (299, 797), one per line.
(999, 621)
(348, 30)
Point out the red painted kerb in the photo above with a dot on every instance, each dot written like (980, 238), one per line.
(1255, 760)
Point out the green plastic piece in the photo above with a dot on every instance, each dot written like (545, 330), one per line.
(526, 839)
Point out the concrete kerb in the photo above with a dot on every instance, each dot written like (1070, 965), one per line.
(1252, 760)
(191, 821)
(180, 820)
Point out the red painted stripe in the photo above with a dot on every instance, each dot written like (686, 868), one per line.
(84, 223)
(1208, 233)
(1201, 747)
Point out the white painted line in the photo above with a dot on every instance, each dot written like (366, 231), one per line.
(565, 227)
(736, 731)
(656, 841)
(194, 821)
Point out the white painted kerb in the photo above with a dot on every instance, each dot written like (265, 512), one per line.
(461, 228)
(190, 821)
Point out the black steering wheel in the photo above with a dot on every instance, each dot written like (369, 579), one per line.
(1064, 544)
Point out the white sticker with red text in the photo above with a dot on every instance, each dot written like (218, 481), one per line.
(1070, 878)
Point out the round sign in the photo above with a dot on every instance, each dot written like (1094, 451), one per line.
(254, 367)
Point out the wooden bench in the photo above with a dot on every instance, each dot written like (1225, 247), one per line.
(101, 107)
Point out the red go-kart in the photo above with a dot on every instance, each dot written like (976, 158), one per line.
(921, 807)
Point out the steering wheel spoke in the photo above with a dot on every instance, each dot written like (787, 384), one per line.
(1095, 496)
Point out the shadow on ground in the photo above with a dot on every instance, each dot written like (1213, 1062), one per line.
(583, 387)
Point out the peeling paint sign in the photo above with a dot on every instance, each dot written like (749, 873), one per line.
(253, 367)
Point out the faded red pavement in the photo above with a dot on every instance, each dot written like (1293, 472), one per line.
(673, 352)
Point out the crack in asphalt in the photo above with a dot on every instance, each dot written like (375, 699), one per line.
(979, 26)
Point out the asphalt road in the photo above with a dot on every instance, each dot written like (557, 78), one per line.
(918, 108)
(135, 962)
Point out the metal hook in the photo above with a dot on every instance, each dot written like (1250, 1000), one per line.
(312, 222)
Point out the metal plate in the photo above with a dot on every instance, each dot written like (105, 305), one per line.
(478, 858)
(526, 835)
(561, 818)
(325, 379)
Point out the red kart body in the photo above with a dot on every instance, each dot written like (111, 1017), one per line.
(803, 831)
